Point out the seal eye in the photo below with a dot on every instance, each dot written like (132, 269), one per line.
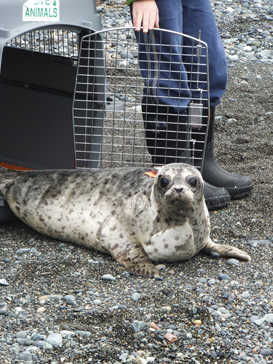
(192, 181)
(163, 182)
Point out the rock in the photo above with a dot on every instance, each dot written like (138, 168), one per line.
(266, 352)
(108, 277)
(44, 345)
(166, 309)
(25, 356)
(221, 313)
(67, 334)
(69, 299)
(154, 326)
(55, 339)
(97, 302)
(211, 281)
(233, 57)
(268, 318)
(233, 261)
(266, 53)
(170, 337)
(136, 296)
(82, 333)
(22, 334)
(138, 325)
(22, 251)
(140, 360)
(123, 357)
(3, 282)
(35, 337)
(24, 341)
(223, 277)
(3, 308)
(245, 294)
(256, 243)
(197, 323)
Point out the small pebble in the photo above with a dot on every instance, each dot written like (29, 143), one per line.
(35, 337)
(223, 277)
(166, 308)
(138, 325)
(154, 326)
(22, 251)
(69, 299)
(108, 277)
(26, 356)
(83, 333)
(3, 282)
(44, 345)
(197, 323)
(170, 338)
(233, 261)
(136, 296)
(55, 339)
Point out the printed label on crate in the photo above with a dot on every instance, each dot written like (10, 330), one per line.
(41, 10)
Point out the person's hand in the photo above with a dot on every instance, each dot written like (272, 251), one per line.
(145, 14)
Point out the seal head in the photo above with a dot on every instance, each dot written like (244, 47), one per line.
(177, 191)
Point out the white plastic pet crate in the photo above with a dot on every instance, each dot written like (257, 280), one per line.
(38, 66)
(38, 62)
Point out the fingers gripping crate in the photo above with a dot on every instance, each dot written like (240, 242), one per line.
(140, 99)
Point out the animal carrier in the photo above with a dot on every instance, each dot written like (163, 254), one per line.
(155, 109)
(38, 62)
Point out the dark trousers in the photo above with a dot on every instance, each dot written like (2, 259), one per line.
(165, 67)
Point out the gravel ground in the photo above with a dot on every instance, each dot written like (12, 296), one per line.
(65, 304)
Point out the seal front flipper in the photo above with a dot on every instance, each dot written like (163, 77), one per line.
(226, 251)
(135, 260)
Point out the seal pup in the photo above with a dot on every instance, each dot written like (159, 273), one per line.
(140, 216)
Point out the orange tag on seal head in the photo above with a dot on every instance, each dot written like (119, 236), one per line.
(152, 173)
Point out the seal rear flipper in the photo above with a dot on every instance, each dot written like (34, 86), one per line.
(226, 251)
(6, 179)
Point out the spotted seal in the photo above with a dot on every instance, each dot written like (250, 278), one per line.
(140, 216)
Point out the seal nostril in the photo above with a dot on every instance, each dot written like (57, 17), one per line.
(179, 190)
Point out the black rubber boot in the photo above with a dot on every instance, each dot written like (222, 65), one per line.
(216, 198)
(236, 185)
(168, 140)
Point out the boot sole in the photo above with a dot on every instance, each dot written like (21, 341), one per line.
(217, 203)
(237, 193)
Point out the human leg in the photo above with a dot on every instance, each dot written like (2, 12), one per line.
(198, 18)
(166, 93)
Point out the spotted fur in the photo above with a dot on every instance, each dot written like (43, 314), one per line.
(137, 217)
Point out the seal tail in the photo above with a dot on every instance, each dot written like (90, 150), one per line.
(226, 251)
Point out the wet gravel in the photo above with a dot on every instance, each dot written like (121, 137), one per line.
(60, 303)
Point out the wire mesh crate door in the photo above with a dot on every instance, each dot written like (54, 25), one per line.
(89, 103)
(156, 88)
